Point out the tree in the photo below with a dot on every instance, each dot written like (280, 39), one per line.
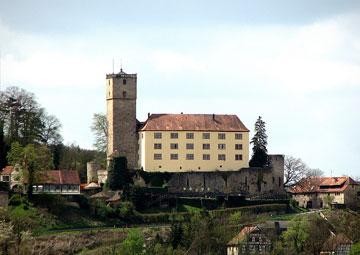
(118, 174)
(24, 121)
(99, 127)
(259, 141)
(296, 235)
(3, 146)
(314, 172)
(32, 159)
(294, 170)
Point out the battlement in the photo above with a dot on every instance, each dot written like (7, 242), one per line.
(120, 75)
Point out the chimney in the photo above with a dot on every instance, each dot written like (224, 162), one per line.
(181, 112)
(148, 114)
(213, 116)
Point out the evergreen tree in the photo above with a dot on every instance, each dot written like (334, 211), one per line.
(118, 174)
(260, 157)
(3, 147)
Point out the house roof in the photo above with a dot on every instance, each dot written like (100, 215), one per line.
(193, 122)
(7, 170)
(242, 234)
(59, 177)
(322, 184)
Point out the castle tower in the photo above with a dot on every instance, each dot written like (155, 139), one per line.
(121, 116)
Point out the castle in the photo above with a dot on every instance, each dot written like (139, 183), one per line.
(205, 152)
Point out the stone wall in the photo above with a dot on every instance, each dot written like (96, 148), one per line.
(250, 182)
(4, 198)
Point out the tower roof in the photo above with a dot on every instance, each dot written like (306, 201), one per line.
(194, 122)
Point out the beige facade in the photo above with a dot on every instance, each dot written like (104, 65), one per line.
(121, 116)
(184, 151)
(322, 192)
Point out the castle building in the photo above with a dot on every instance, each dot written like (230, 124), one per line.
(193, 142)
(171, 142)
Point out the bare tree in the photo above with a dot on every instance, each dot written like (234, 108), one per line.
(294, 170)
(314, 172)
(100, 129)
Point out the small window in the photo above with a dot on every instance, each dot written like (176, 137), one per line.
(221, 157)
(206, 156)
(174, 146)
(189, 146)
(238, 136)
(238, 147)
(206, 146)
(157, 135)
(157, 156)
(157, 146)
(124, 81)
(221, 136)
(6, 178)
(279, 181)
(221, 146)
(174, 156)
(206, 135)
(189, 135)
(124, 93)
(174, 135)
(189, 156)
(238, 157)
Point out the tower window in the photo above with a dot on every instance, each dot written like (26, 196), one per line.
(124, 81)
(124, 93)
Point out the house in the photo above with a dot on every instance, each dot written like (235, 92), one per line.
(10, 175)
(63, 182)
(320, 192)
(337, 244)
(256, 239)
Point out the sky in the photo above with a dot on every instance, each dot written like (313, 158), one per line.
(295, 63)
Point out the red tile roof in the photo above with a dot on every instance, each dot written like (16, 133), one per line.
(193, 122)
(59, 177)
(322, 184)
(7, 170)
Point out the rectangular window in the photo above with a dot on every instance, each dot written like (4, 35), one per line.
(238, 146)
(206, 156)
(174, 146)
(189, 135)
(189, 156)
(238, 136)
(174, 135)
(221, 146)
(238, 157)
(221, 136)
(189, 146)
(6, 178)
(157, 146)
(157, 156)
(221, 157)
(157, 135)
(206, 146)
(174, 156)
(206, 135)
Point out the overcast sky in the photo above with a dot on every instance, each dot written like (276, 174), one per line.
(295, 63)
